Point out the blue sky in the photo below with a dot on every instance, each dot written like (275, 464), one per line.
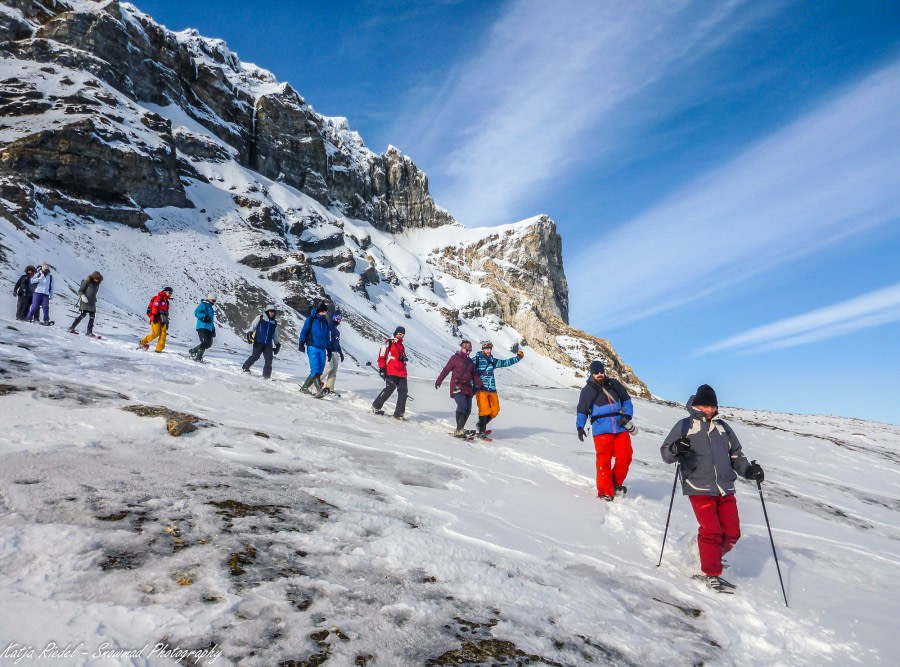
(725, 175)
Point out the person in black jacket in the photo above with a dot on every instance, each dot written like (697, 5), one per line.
(24, 290)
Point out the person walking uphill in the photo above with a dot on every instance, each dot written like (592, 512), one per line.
(392, 368)
(264, 335)
(711, 459)
(315, 339)
(87, 301)
(488, 400)
(24, 290)
(42, 282)
(464, 381)
(206, 326)
(158, 312)
(607, 404)
(329, 375)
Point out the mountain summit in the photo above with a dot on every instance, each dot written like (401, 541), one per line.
(161, 158)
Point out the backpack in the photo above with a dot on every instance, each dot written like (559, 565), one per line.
(150, 305)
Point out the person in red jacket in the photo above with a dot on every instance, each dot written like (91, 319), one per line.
(392, 368)
(463, 383)
(158, 312)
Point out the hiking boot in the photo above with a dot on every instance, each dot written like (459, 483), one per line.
(377, 411)
(327, 391)
(399, 418)
(621, 490)
(71, 330)
(608, 499)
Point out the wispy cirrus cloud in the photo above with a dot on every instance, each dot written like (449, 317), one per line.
(549, 73)
(869, 310)
(831, 175)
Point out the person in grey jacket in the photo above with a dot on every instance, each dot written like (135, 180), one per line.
(711, 459)
(87, 301)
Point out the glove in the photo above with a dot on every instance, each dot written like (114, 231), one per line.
(84, 298)
(623, 420)
(342, 356)
(328, 354)
(581, 433)
(437, 385)
(277, 348)
(249, 337)
(205, 319)
(755, 473)
(302, 346)
(383, 373)
(520, 354)
(680, 447)
(403, 358)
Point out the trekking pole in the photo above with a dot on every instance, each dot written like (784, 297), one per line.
(771, 539)
(669, 516)
(370, 365)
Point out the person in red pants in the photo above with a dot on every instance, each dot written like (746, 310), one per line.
(711, 459)
(607, 404)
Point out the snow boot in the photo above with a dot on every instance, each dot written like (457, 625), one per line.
(621, 490)
(377, 411)
(717, 584)
(199, 355)
(305, 388)
(317, 385)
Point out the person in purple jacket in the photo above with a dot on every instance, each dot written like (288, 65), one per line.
(463, 383)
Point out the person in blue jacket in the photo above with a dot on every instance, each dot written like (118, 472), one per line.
(263, 335)
(606, 402)
(329, 375)
(206, 326)
(486, 397)
(315, 340)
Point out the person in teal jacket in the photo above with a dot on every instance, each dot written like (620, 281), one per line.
(488, 402)
(206, 326)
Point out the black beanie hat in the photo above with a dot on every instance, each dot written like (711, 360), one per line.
(400, 330)
(323, 308)
(706, 395)
(595, 367)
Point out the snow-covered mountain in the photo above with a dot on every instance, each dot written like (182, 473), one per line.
(288, 531)
(159, 158)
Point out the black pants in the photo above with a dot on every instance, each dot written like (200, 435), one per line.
(23, 306)
(267, 352)
(392, 382)
(206, 339)
(78, 319)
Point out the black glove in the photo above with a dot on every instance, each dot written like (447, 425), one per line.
(383, 373)
(328, 354)
(205, 319)
(277, 348)
(437, 385)
(249, 337)
(624, 419)
(581, 433)
(755, 473)
(342, 356)
(680, 447)
(403, 358)
(302, 346)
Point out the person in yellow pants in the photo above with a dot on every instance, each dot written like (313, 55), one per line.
(158, 312)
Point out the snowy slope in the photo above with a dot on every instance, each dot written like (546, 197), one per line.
(286, 528)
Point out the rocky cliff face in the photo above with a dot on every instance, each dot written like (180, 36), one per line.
(105, 116)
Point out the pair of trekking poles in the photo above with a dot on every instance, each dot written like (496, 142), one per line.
(765, 514)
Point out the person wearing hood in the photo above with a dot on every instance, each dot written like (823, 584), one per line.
(206, 326)
(24, 290)
(42, 282)
(315, 340)
(329, 375)
(158, 313)
(711, 458)
(605, 401)
(263, 334)
(87, 301)
(392, 369)
(464, 382)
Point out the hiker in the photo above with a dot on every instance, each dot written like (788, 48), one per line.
(711, 459)
(158, 313)
(206, 326)
(87, 302)
(263, 335)
(487, 399)
(606, 402)
(464, 382)
(42, 283)
(24, 290)
(392, 368)
(329, 375)
(315, 340)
